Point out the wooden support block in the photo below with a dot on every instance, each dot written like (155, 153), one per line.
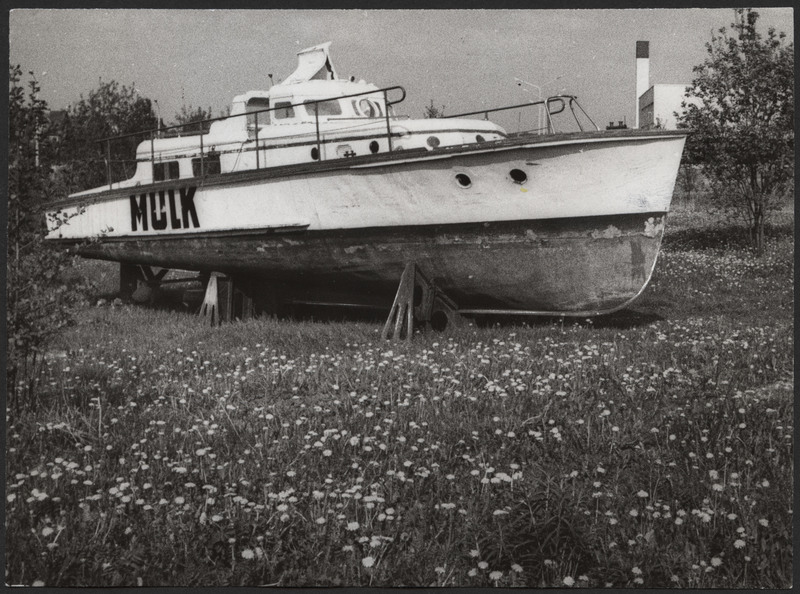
(227, 299)
(210, 307)
(434, 308)
(402, 313)
(129, 277)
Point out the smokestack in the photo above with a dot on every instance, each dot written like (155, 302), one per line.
(642, 72)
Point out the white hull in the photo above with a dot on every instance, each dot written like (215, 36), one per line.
(591, 175)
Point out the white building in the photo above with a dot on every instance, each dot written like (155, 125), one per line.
(656, 107)
(659, 104)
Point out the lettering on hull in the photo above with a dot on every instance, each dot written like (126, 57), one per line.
(160, 210)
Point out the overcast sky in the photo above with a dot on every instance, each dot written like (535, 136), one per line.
(462, 59)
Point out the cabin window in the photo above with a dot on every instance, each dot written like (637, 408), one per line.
(325, 108)
(257, 104)
(371, 109)
(166, 170)
(283, 110)
(210, 163)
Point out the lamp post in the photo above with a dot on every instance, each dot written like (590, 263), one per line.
(521, 82)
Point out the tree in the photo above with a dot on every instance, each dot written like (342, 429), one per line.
(189, 116)
(38, 299)
(111, 110)
(744, 120)
(432, 111)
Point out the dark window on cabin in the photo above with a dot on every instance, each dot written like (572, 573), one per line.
(369, 108)
(257, 104)
(326, 108)
(166, 170)
(283, 110)
(211, 164)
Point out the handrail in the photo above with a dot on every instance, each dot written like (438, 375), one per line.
(546, 102)
(158, 132)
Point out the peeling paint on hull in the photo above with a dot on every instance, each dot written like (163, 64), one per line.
(572, 266)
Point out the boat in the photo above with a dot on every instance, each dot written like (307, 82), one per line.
(316, 190)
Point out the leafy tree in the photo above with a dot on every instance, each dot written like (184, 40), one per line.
(744, 120)
(431, 111)
(38, 299)
(189, 116)
(111, 110)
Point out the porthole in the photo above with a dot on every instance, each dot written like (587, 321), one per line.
(433, 141)
(315, 153)
(374, 147)
(480, 138)
(519, 176)
(463, 180)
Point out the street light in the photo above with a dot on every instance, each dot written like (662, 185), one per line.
(521, 82)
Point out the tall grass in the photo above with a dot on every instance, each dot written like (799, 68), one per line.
(652, 448)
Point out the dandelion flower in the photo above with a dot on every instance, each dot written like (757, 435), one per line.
(516, 568)
(352, 526)
(472, 572)
(495, 575)
(642, 494)
(439, 570)
(483, 565)
(716, 561)
(636, 571)
(248, 554)
(38, 584)
(569, 581)
(321, 520)
(368, 561)
(764, 522)
(738, 543)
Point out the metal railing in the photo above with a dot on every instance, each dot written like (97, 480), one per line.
(175, 131)
(560, 102)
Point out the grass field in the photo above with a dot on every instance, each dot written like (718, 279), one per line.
(650, 448)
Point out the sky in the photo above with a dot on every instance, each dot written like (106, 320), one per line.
(463, 60)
